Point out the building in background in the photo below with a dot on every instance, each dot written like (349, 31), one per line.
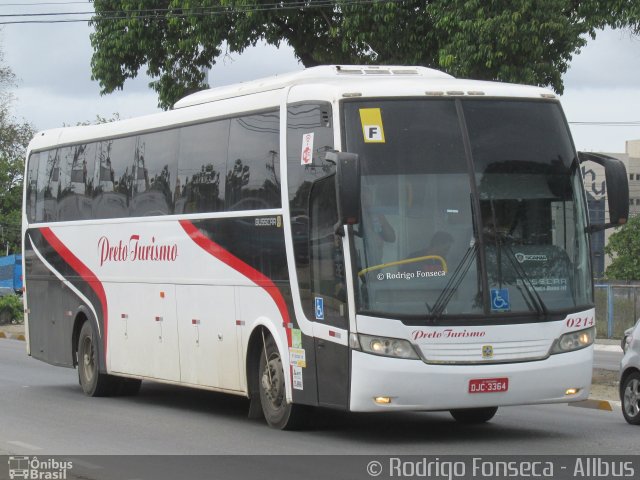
(596, 188)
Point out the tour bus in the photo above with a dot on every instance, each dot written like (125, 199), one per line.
(363, 238)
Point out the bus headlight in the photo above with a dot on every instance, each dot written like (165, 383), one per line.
(388, 347)
(574, 341)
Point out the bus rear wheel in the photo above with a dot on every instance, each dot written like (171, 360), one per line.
(93, 382)
(278, 412)
(474, 415)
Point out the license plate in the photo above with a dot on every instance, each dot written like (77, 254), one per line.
(488, 385)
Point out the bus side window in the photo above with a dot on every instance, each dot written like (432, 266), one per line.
(202, 165)
(48, 183)
(75, 178)
(154, 173)
(253, 163)
(32, 186)
(112, 194)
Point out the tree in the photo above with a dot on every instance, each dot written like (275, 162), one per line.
(14, 138)
(523, 41)
(624, 247)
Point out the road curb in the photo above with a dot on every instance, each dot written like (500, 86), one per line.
(608, 348)
(19, 337)
(606, 405)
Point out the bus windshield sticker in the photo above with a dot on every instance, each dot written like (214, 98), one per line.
(297, 357)
(372, 129)
(319, 308)
(296, 338)
(500, 300)
(306, 157)
(297, 378)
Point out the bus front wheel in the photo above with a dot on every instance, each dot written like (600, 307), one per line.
(474, 415)
(278, 412)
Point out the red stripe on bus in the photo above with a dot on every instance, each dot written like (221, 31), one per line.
(248, 271)
(84, 272)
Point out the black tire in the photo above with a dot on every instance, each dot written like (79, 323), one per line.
(93, 382)
(277, 411)
(474, 415)
(630, 396)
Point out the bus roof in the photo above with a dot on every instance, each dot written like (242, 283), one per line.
(317, 83)
(348, 74)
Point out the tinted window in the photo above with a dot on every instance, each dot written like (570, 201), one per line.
(420, 137)
(253, 163)
(114, 178)
(32, 186)
(202, 167)
(325, 253)
(48, 177)
(154, 172)
(77, 165)
(505, 132)
(310, 126)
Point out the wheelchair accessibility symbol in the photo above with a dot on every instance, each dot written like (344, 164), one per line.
(319, 308)
(500, 300)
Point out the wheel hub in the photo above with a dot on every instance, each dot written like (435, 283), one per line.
(632, 398)
(87, 359)
(273, 381)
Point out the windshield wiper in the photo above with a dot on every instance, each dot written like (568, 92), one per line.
(529, 288)
(454, 282)
(534, 300)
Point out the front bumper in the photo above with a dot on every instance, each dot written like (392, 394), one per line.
(415, 385)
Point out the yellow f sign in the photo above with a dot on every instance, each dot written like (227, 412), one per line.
(372, 129)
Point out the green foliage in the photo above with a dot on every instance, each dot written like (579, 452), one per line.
(523, 41)
(11, 308)
(14, 138)
(624, 246)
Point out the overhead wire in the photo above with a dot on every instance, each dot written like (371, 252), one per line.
(145, 14)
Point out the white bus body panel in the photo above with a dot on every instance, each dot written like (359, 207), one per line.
(179, 321)
(453, 355)
(414, 385)
(209, 349)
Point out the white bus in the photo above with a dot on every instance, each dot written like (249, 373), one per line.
(369, 239)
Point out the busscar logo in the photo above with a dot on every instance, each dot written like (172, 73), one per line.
(521, 257)
(36, 469)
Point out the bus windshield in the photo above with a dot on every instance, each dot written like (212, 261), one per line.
(469, 207)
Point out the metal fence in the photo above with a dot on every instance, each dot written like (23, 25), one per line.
(617, 308)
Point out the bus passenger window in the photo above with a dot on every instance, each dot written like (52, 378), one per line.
(253, 164)
(112, 193)
(154, 169)
(201, 167)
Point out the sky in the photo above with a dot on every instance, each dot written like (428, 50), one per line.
(52, 65)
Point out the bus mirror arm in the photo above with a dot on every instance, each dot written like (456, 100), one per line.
(617, 189)
(347, 188)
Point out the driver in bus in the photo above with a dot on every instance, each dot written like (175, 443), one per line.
(438, 249)
(376, 228)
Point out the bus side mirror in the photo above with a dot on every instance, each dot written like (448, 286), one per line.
(347, 186)
(617, 186)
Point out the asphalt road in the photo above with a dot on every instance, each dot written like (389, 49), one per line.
(44, 412)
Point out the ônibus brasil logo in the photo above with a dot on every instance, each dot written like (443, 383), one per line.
(35, 469)
(136, 249)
